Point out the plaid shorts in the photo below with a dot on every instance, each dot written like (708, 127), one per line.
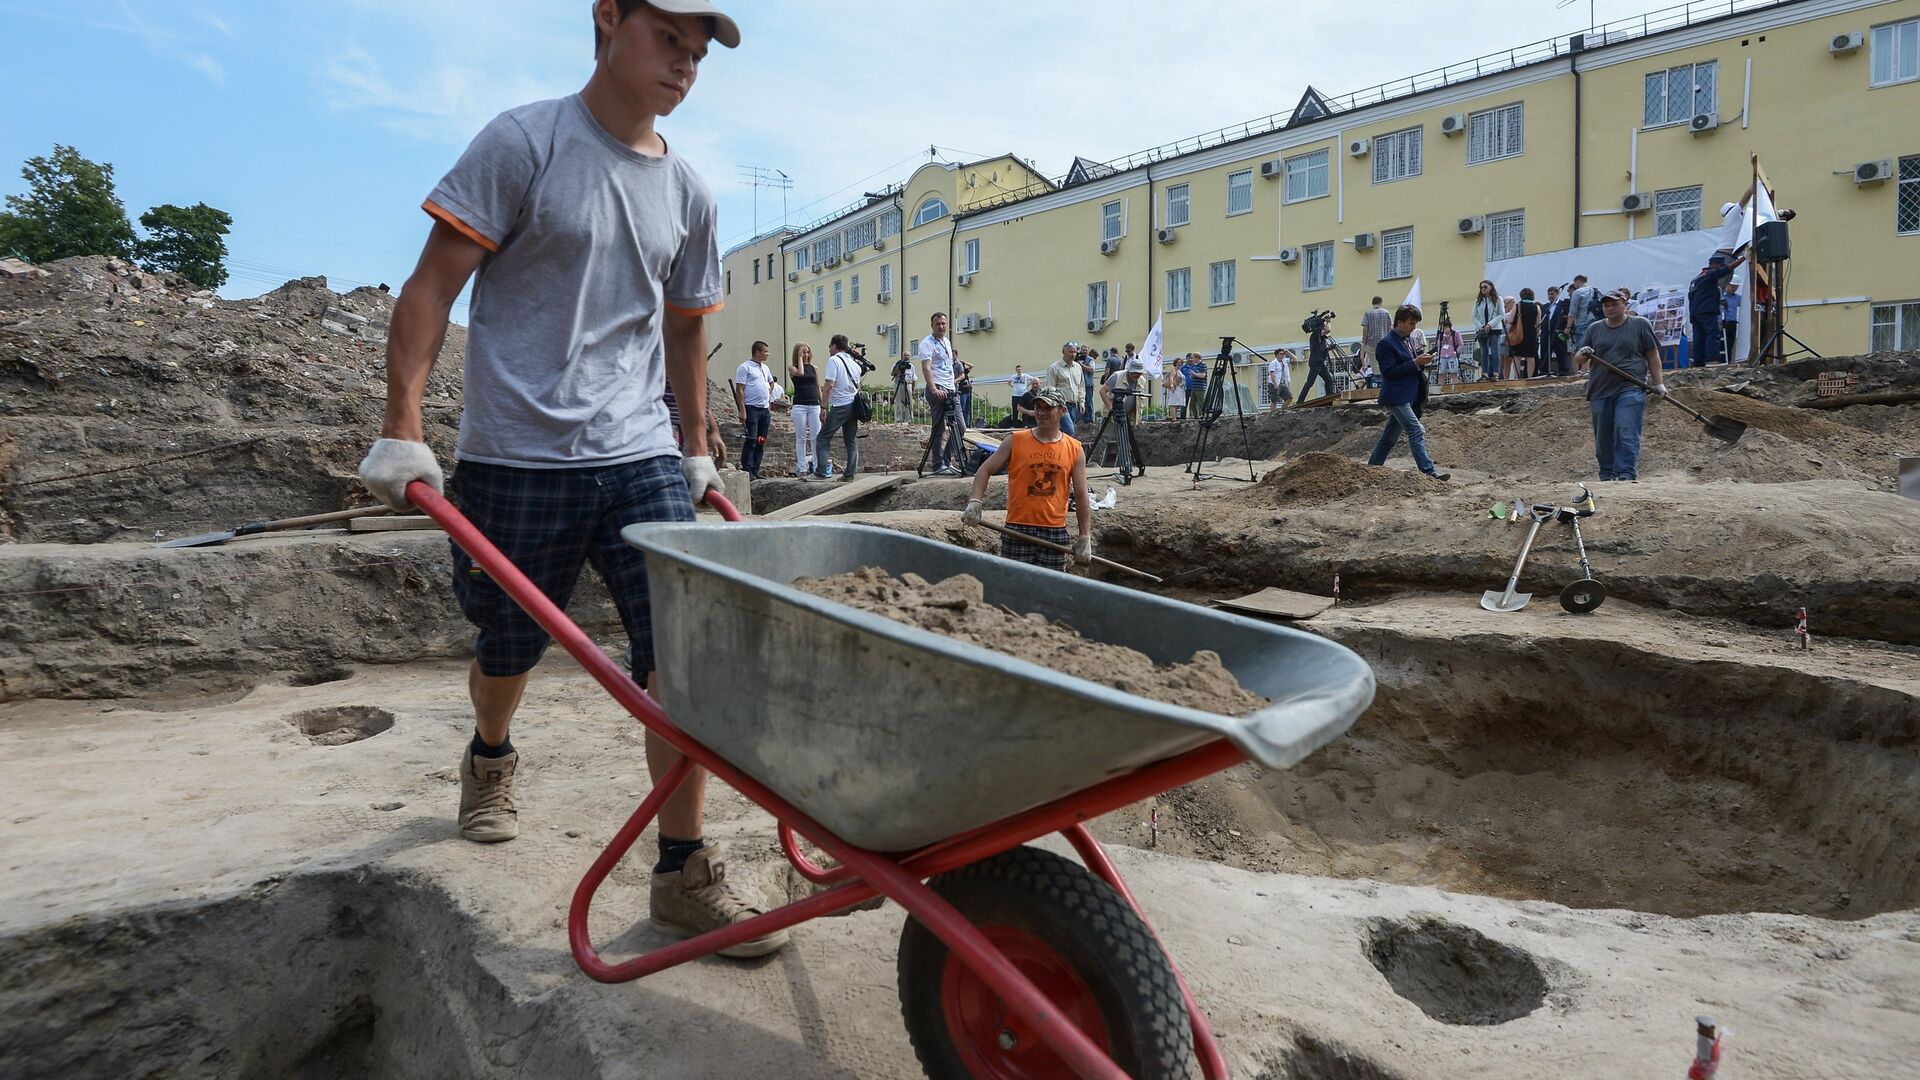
(551, 522)
(1021, 551)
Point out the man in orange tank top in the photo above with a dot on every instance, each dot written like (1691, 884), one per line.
(1043, 465)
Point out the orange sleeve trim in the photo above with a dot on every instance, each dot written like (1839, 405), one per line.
(708, 310)
(443, 214)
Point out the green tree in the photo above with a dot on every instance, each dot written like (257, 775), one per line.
(69, 209)
(188, 240)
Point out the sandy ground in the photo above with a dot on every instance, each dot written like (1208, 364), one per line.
(233, 800)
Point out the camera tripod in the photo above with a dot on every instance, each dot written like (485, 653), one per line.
(1128, 462)
(1212, 408)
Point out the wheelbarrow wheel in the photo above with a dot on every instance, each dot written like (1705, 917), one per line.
(1085, 949)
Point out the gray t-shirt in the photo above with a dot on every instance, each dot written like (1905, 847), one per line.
(589, 245)
(1625, 347)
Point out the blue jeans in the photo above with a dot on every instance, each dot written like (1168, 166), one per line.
(1086, 406)
(1707, 339)
(1616, 433)
(1490, 345)
(1400, 418)
(1066, 421)
(840, 419)
(942, 453)
(753, 447)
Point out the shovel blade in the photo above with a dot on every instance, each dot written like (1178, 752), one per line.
(1725, 429)
(203, 540)
(1498, 600)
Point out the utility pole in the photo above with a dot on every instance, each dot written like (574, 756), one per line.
(761, 176)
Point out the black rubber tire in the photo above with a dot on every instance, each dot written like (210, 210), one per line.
(1583, 596)
(1061, 902)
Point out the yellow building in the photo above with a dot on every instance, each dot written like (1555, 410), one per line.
(1637, 128)
(751, 280)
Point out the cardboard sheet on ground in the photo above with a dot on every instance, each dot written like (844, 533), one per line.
(1278, 604)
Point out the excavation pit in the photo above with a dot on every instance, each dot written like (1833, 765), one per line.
(341, 724)
(1454, 973)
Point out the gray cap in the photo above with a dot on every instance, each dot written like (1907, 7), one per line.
(725, 30)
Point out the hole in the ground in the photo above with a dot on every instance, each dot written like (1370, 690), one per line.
(336, 725)
(1456, 974)
(321, 674)
(1311, 1058)
(327, 976)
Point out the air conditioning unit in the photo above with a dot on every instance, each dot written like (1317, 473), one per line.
(968, 323)
(1470, 226)
(816, 317)
(1845, 43)
(1363, 241)
(883, 329)
(964, 280)
(1166, 236)
(793, 275)
(1108, 247)
(1094, 326)
(817, 268)
(1453, 125)
(1359, 147)
(1289, 255)
(1638, 202)
(882, 296)
(1872, 172)
(1703, 123)
(879, 245)
(983, 322)
(1272, 169)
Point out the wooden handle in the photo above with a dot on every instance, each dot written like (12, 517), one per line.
(1051, 546)
(320, 519)
(1635, 380)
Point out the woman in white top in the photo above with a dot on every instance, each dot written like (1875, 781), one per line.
(1174, 387)
(1490, 327)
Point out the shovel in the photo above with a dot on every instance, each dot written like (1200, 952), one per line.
(1724, 428)
(1510, 600)
(1037, 542)
(212, 538)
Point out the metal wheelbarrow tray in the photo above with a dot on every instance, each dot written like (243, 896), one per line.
(907, 756)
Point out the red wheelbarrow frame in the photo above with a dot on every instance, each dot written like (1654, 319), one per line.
(861, 874)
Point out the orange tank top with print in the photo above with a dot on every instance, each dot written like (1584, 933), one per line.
(1038, 477)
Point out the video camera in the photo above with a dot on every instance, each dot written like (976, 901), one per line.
(1314, 321)
(859, 351)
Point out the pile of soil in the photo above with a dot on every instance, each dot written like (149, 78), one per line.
(1318, 477)
(957, 608)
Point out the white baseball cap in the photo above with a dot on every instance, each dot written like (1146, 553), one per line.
(725, 30)
(1136, 366)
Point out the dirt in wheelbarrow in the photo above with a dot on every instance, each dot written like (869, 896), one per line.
(956, 608)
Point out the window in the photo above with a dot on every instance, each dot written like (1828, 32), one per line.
(1895, 326)
(826, 249)
(1221, 284)
(1896, 52)
(819, 298)
(1677, 95)
(729, 289)
(890, 223)
(1240, 192)
(1494, 134)
(1097, 302)
(1396, 254)
(893, 334)
(1506, 235)
(861, 235)
(1110, 220)
(1396, 156)
(756, 274)
(803, 303)
(1180, 289)
(1307, 176)
(913, 283)
(771, 271)
(970, 257)
(1316, 269)
(1676, 210)
(836, 296)
(931, 209)
(1179, 205)
(800, 257)
(1907, 212)
(853, 290)
(886, 279)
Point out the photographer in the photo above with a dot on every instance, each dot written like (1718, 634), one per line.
(903, 389)
(842, 385)
(1319, 328)
(1121, 398)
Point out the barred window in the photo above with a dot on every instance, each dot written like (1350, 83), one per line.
(1676, 210)
(859, 236)
(1895, 326)
(1180, 289)
(1396, 254)
(1240, 192)
(1110, 220)
(1396, 156)
(1179, 205)
(1506, 235)
(1494, 133)
(1678, 94)
(1097, 301)
(1307, 176)
(853, 289)
(826, 248)
(890, 222)
(836, 296)
(1223, 286)
(1316, 267)
(1907, 216)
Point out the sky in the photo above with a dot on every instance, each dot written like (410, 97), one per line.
(321, 126)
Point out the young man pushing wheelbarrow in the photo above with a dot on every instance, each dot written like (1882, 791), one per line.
(594, 260)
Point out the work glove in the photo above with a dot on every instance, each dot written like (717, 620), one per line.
(392, 464)
(1083, 551)
(1660, 388)
(701, 475)
(972, 515)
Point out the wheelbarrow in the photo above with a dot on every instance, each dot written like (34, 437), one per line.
(1014, 962)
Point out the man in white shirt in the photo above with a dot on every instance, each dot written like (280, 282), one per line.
(753, 398)
(935, 353)
(840, 384)
(1277, 391)
(1064, 376)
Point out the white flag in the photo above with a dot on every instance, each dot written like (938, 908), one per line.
(1151, 351)
(1413, 294)
(1759, 211)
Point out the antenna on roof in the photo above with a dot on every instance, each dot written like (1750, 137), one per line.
(762, 176)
